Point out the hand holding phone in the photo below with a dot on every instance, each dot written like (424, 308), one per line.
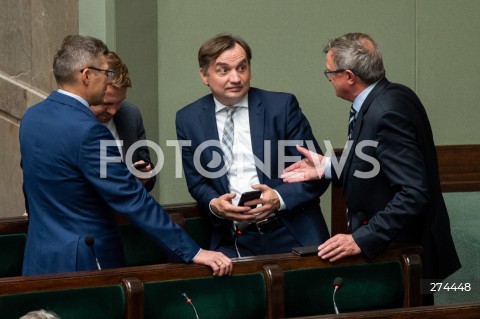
(141, 165)
(248, 196)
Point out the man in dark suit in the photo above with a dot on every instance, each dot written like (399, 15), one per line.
(390, 178)
(265, 126)
(71, 187)
(124, 119)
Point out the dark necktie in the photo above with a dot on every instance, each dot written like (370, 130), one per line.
(351, 124)
(351, 121)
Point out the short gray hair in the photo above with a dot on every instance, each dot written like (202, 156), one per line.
(40, 314)
(76, 52)
(359, 53)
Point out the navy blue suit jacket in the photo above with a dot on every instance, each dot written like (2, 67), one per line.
(130, 129)
(273, 117)
(403, 202)
(68, 199)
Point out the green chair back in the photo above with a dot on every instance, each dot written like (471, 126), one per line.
(236, 296)
(365, 287)
(139, 249)
(92, 303)
(464, 223)
(200, 229)
(12, 248)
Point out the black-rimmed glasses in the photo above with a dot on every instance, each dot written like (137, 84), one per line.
(109, 73)
(327, 73)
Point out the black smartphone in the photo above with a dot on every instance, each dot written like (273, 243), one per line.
(305, 251)
(248, 196)
(140, 165)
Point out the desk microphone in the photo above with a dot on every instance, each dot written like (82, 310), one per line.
(337, 284)
(240, 229)
(189, 301)
(90, 241)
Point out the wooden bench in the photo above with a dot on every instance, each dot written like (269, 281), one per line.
(72, 297)
(146, 292)
(139, 248)
(390, 280)
(260, 287)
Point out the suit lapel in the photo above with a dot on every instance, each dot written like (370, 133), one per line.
(208, 122)
(379, 88)
(256, 114)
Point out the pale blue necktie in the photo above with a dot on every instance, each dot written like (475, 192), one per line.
(228, 135)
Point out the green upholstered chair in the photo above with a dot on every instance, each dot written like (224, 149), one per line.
(12, 247)
(139, 248)
(200, 229)
(365, 287)
(92, 303)
(236, 296)
(465, 224)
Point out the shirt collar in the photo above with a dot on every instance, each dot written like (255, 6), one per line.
(242, 103)
(76, 97)
(358, 102)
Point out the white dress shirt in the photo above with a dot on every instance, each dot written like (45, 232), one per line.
(357, 105)
(243, 172)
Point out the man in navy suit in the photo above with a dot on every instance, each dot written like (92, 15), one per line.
(124, 119)
(266, 127)
(390, 184)
(71, 188)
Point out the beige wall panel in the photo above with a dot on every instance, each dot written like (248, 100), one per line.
(11, 195)
(30, 33)
(51, 22)
(15, 35)
(287, 38)
(14, 101)
(448, 51)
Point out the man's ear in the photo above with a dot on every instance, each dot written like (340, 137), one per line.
(85, 76)
(352, 78)
(204, 76)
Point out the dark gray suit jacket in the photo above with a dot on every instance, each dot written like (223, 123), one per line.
(403, 202)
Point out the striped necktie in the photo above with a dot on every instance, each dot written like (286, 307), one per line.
(351, 121)
(228, 135)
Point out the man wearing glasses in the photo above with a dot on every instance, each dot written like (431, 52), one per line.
(400, 200)
(72, 226)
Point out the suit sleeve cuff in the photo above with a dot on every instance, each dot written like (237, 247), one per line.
(328, 168)
(283, 206)
(196, 254)
(211, 210)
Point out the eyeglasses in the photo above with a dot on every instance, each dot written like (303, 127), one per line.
(327, 73)
(109, 73)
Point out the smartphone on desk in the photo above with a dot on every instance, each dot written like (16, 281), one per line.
(305, 251)
(248, 196)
